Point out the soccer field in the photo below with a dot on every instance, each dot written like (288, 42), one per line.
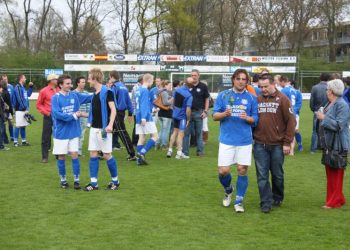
(169, 204)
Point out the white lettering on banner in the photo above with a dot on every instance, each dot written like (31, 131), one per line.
(195, 58)
(142, 57)
(171, 58)
(211, 58)
(79, 57)
(268, 107)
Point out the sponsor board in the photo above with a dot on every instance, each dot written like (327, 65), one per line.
(226, 80)
(263, 59)
(53, 71)
(110, 67)
(148, 57)
(346, 73)
(202, 68)
(130, 78)
(171, 58)
(194, 58)
(122, 57)
(273, 69)
(234, 68)
(172, 68)
(211, 58)
(79, 57)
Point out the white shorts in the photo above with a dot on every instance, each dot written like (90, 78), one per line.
(229, 155)
(63, 147)
(97, 143)
(297, 118)
(20, 121)
(149, 128)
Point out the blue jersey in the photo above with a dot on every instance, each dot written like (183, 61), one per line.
(153, 95)
(143, 105)
(65, 124)
(123, 99)
(20, 97)
(234, 130)
(182, 99)
(295, 97)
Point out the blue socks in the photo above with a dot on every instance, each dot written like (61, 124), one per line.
(61, 165)
(23, 134)
(139, 148)
(76, 169)
(94, 165)
(150, 144)
(113, 169)
(298, 138)
(241, 186)
(226, 183)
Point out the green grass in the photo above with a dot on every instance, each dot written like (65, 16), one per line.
(169, 204)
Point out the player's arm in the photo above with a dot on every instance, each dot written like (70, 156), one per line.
(220, 112)
(40, 104)
(59, 114)
(84, 98)
(112, 116)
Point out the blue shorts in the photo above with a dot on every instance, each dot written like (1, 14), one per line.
(180, 124)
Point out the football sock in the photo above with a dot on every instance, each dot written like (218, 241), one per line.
(241, 186)
(225, 181)
(298, 138)
(76, 169)
(94, 165)
(113, 169)
(23, 134)
(139, 148)
(16, 135)
(150, 144)
(61, 165)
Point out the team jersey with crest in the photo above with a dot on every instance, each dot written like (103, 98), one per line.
(143, 105)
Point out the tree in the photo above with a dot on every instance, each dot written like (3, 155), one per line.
(41, 24)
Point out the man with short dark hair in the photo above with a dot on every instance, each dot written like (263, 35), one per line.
(43, 105)
(123, 103)
(318, 99)
(200, 108)
(21, 105)
(273, 137)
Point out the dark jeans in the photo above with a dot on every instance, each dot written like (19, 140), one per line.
(314, 137)
(115, 140)
(46, 136)
(196, 122)
(2, 131)
(119, 126)
(269, 158)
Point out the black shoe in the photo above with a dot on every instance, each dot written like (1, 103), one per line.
(64, 185)
(89, 187)
(266, 210)
(276, 203)
(141, 160)
(25, 144)
(112, 186)
(77, 185)
(132, 158)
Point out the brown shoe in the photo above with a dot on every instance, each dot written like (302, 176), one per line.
(44, 161)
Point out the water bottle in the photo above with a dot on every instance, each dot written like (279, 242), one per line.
(321, 109)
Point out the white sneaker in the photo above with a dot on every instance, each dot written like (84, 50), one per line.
(239, 208)
(226, 202)
(168, 155)
(181, 156)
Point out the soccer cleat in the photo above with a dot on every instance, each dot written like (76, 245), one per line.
(15, 144)
(239, 208)
(300, 148)
(64, 185)
(25, 144)
(44, 161)
(4, 149)
(89, 187)
(117, 148)
(226, 202)
(131, 158)
(265, 210)
(141, 160)
(113, 186)
(182, 156)
(168, 155)
(77, 185)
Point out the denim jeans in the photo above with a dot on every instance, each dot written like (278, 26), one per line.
(165, 124)
(2, 131)
(269, 158)
(314, 137)
(196, 123)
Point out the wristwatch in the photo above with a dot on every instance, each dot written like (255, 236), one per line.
(206, 112)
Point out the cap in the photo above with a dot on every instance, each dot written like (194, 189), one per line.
(52, 77)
